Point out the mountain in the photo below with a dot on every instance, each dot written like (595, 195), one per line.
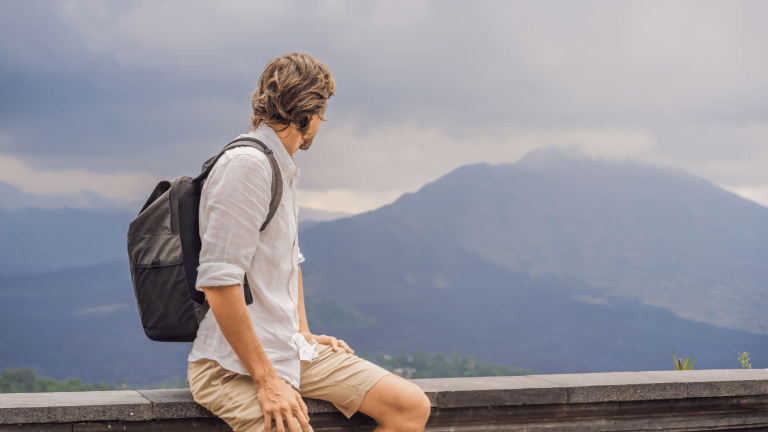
(660, 236)
(555, 263)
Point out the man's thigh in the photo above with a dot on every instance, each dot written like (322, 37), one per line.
(229, 395)
(340, 378)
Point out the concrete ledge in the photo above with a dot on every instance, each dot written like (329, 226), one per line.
(671, 400)
(486, 391)
(637, 386)
(73, 407)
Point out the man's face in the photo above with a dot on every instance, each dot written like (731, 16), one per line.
(307, 138)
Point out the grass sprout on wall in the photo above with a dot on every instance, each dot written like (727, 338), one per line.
(744, 360)
(683, 365)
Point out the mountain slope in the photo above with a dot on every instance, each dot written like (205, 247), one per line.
(661, 236)
(426, 293)
(83, 322)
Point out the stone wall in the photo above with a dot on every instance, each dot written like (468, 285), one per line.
(706, 400)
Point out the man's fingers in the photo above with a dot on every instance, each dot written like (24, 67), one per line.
(336, 344)
(303, 406)
(303, 421)
(267, 422)
(293, 425)
(346, 347)
(279, 422)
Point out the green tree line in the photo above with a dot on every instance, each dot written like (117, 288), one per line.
(420, 365)
(23, 380)
(409, 365)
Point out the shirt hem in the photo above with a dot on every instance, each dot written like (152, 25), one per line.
(278, 365)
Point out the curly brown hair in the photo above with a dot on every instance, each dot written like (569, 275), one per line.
(292, 89)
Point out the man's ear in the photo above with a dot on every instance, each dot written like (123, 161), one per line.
(304, 122)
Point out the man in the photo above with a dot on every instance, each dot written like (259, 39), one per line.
(251, 365)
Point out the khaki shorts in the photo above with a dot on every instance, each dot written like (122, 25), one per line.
(338, 377)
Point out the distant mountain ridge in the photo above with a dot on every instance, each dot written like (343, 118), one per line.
(309, 217)
(38, 240)
(41, 240)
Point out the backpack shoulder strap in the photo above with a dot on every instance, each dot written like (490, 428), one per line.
(277, 178)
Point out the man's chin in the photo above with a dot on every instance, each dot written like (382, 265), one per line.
(305, 145)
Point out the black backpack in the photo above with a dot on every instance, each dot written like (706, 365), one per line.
(164, 251)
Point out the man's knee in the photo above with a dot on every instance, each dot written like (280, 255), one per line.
(414, 408)
(397, 404)
(421, 407)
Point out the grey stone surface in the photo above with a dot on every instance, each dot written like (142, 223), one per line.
(430, 392)
(44, 427)
(718, 383)
(316, 406)
(73, 407)
(616, 386)
(670, 400)
(172, 404)
(679, 415)
(487, 391)
(176, 425)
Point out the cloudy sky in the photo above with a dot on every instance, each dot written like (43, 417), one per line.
(106, 97)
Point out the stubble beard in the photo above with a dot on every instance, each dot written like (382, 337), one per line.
(307, 143)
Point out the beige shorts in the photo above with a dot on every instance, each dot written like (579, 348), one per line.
(338, 377)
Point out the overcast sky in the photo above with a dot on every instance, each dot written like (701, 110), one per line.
(108, 97)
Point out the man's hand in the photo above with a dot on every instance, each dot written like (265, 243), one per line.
(278, 400)
(337, 344)
(282, 403)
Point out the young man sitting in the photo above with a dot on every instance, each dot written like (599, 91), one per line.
(251, 364)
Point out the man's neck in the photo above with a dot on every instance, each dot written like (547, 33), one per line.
(289, 137)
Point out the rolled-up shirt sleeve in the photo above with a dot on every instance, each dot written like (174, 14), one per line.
(237, 196)
(301, 257)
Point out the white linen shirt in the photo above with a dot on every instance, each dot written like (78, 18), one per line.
(233, 205)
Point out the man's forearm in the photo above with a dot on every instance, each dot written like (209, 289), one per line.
(303, 325)
(229, 308)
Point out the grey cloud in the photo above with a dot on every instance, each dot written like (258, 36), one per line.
(129, 85)
(12, 198)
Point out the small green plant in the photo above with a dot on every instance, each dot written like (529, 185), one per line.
(683, 365)
(744, 360)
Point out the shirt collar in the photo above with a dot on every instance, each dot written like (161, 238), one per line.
(268, 136)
